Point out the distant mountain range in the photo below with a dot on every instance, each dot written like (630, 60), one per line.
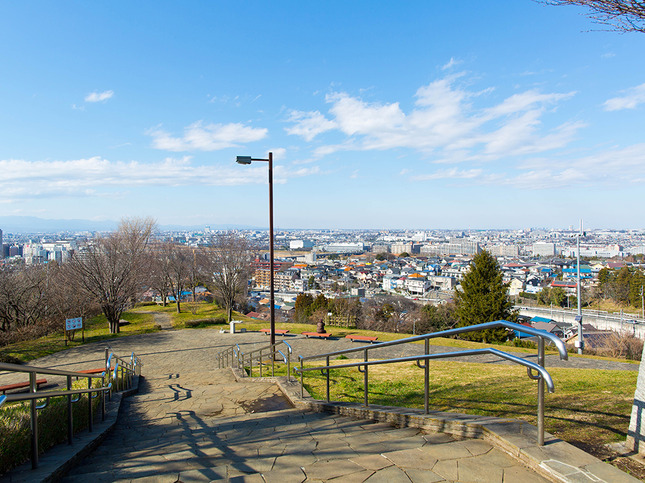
(32, 224)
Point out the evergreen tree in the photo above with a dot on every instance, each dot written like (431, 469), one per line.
(483, 298)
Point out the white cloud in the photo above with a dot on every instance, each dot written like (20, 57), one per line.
(99, 96)
(354, 116)
(632, 98)
(309, 124)
(451, 63)
(443, 122)
(452, 173)
(92, 176)
(209, 137)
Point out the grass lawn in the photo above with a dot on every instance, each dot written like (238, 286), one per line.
(96, 329)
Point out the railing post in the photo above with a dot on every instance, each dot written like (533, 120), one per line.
(251, 367)
(289, 364)
(273, 360)
(70, 416)
(302, 379)
(540, 394)
(89, 400)
(259, 361)
(107, 358)
(327, 364)
(103, 399)
(34, 422)
(426, 380)
(365, 379)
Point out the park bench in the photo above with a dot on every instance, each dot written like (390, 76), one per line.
(324, 335)
(361, 338)
(21, 385)
(92, 371)
(277, 331)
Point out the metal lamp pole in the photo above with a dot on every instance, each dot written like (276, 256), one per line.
(581, 343)
(248, 160)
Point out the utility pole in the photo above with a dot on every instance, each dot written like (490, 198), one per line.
(580, 344)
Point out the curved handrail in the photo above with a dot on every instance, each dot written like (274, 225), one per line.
(471, 352)
(562, 349)
(288, 345)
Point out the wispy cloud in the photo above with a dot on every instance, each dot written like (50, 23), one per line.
(631, 99)
(451, 63)
(309, 124)
(90, 176)
(610, 168)
(99, 96)
(206, 137)
(443, 121)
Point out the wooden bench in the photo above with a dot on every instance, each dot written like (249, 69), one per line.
(361, 338)
(21, 385)
(324, 335)
(92, 371)
(277, 331)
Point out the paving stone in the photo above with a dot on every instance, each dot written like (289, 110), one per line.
(391, 474)
(447, 469)
(422, 476)
(359, 477)
(478, 470)
(518, 474)
(413, 458)
(438, 438)
(285, 475)
(326, 470)
(372, 461)
(447, 451)
(476, 446)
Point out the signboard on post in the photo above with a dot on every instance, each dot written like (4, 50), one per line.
(71, 326)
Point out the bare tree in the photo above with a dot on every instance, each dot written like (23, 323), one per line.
(229, 261)
(179, 260)
(63, 299)
(110, 269)
(23, 297)
(158, 269)
(621, 15)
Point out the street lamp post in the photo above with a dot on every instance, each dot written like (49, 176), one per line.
(580, 343)
(248, 160)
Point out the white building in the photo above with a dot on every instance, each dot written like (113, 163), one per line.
(300, 245)
(542, 249)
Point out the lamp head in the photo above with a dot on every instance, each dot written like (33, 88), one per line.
(243, 159)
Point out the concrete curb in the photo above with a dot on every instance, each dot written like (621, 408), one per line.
(57, 461)
(557, 460)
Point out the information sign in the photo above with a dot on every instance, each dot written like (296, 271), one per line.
(74, 324)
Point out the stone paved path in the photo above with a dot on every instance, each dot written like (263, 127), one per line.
(205, 426)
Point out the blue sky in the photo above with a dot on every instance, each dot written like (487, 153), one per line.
(469, 114)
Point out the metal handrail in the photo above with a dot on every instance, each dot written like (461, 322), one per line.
(120, 377)
(239, 358)
(542, 375)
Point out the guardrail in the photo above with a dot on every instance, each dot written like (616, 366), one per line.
(234, 357)
(542, 375)
(118, 378)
